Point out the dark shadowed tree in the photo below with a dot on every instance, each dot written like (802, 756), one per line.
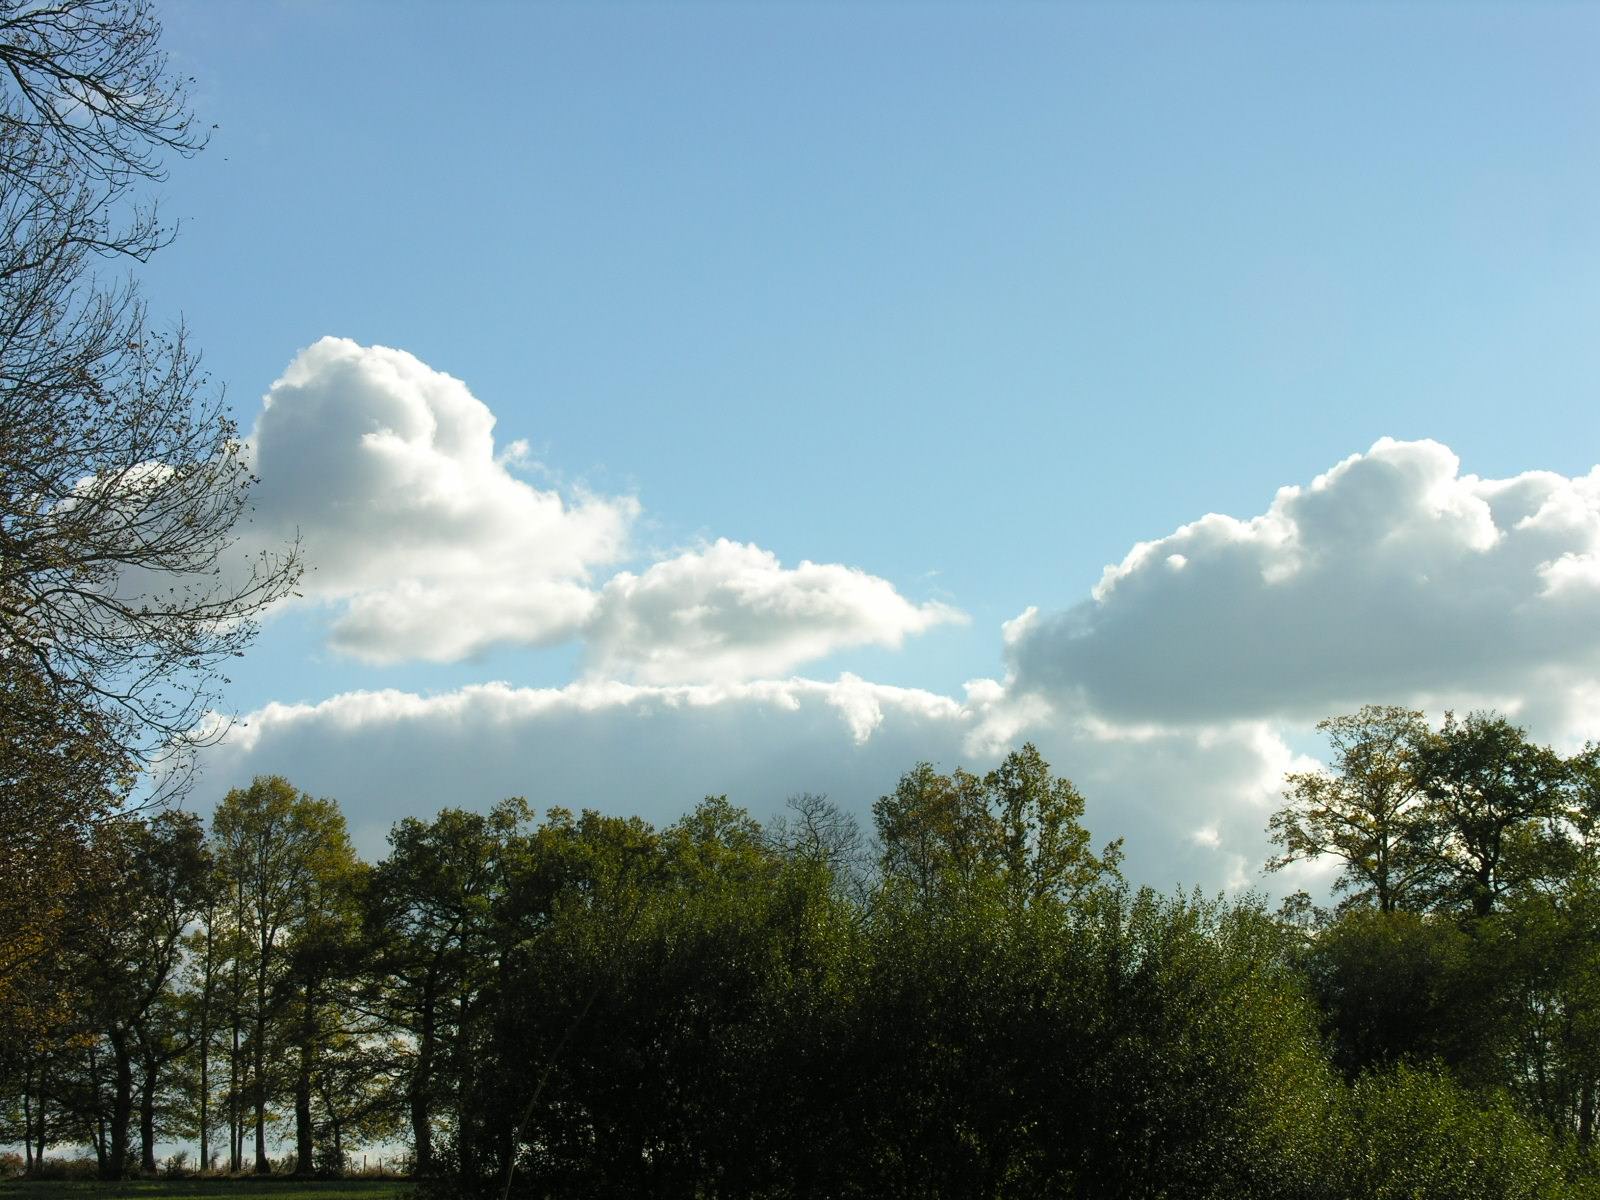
(1548, 929)
(128, 954)
(429, 915)
(324, 959)
(1408, 987)
(1491, 795)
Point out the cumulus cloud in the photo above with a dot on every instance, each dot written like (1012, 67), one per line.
(1177, 695)
(732, 611)
(409, 521)
(428, 546)
(1391, 577)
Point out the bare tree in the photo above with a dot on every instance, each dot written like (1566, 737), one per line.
(90, 109)
(123, 482)
(816, 830)
(122, 478)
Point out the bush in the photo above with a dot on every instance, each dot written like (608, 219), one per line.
(66, 1168)
(1418, 1135)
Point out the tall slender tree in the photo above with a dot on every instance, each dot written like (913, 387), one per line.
(129, 956)
(282, 853)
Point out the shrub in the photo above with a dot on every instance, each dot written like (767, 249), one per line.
(1418, 1135)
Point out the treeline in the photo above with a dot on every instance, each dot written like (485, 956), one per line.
(972, 1002)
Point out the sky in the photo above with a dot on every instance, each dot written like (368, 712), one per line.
(686, 399)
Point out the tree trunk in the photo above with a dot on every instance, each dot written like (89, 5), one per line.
(205, 1058)
(235, 1116)
(258, 1096)
(1586, 1114)
(258, 1063)
(258, 1090)
(38, 1156)
(1381, 882)
(116, 1162)
(27, 1123)
(469, 1122)
(421, 1087)
(303, 1150)
(234, 1149)
(235, 1109)
(99, 1133)
(147, 1118)
(101, 1158)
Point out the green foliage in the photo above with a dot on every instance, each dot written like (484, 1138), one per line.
(1468, 938)
(1489, 791)
(1209, 1081)
(1016, 828)
(1418, 1135)
(1405, 987)
(1367, 811)
(587, 1005)
(430, 915)
(286, 861)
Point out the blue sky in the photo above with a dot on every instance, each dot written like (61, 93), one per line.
(970, 300)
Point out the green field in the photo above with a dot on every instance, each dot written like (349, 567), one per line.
(195, 1189)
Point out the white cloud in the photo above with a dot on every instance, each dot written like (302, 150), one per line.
(426, 545)
(411, 525)
(624, 748)
(655, 750)
(1392, 577)
(732, 611)
(1173, 696)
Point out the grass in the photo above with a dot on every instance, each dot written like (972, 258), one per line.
(200, 1189)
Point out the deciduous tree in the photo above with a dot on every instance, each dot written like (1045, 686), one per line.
(1368, 810)
(1490, 793)
(430, 914)
(122, 480)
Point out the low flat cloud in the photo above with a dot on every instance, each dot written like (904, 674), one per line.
(1393, 577)
(655, 750)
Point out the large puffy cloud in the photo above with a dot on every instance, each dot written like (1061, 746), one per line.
(1176, 695)
(1391, 577)
(429, 546)
(731, 611)
(1192, 808)
(409, 521)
